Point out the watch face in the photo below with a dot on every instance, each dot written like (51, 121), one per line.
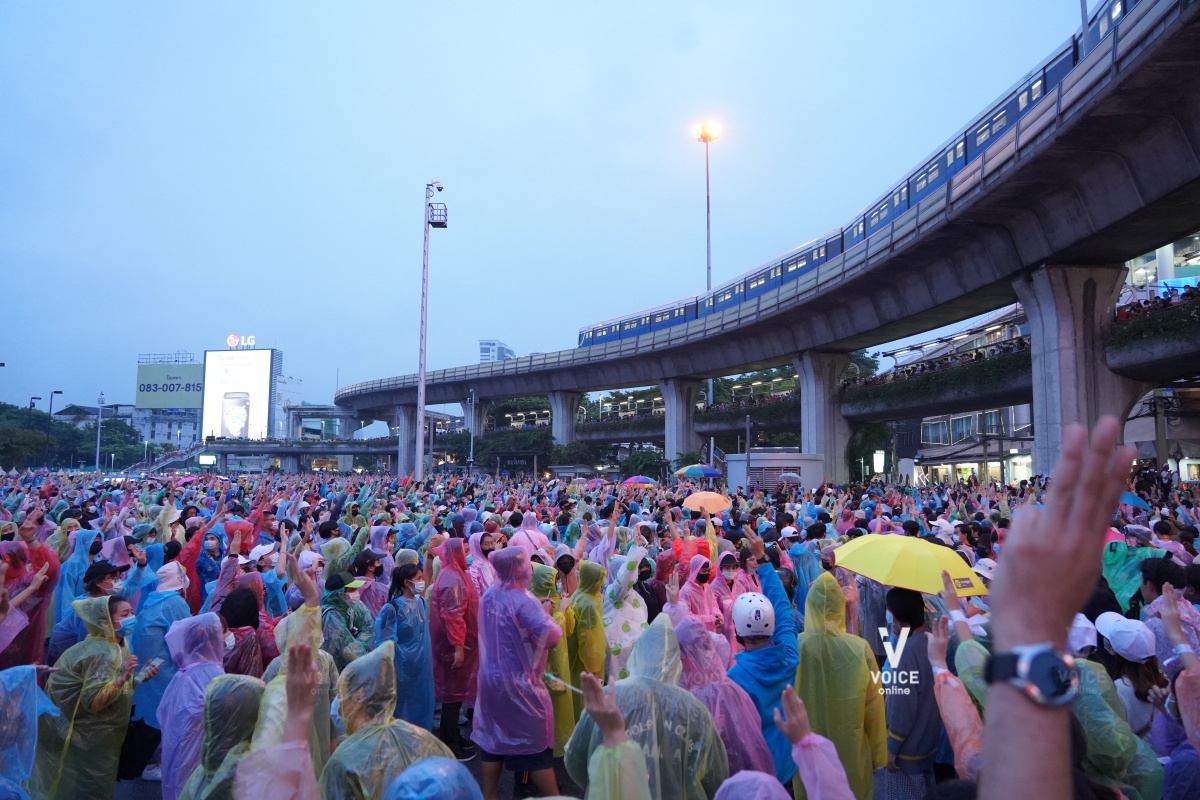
(1055, 679)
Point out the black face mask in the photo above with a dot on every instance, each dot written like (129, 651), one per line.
(644, 575)
(703, 577)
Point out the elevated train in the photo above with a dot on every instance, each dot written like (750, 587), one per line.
(950, 159)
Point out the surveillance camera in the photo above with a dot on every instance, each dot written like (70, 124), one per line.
(440, 187)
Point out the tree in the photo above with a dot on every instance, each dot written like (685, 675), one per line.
(574, 453)
(650, 463)
(688, 457)
(20, 448)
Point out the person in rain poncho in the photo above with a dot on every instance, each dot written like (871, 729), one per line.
(645, 589)
(197, 648)
(70, 580)
(230, 712)
(26, 622)
(624, 612)
(558, 663)
(483, 575)
(21, 704)
(514, 718)
(243, 652)
(586, 644)
(453, 607)
(404, 621)
(698, 598)
(383, 544)
(684, 753)
(378, 746)
(346, 625)
(732, 709)
(528, 537)
(834, 679)
(93, 689)
(434, 777)
(163, 607)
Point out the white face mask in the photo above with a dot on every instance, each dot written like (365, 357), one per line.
(729, 574)
(352, 596)
(229, 641)
(418, 588)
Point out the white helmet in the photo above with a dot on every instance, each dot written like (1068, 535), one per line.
(753, 615)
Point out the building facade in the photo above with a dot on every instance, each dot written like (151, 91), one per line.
(494, 350)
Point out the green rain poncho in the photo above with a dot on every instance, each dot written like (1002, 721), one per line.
(379, 747)
(684, 754)
(585, 626)
(834, 679)
(230, 712)
(558, 663)
(1122, 568)
(78, 754)
(347, 627)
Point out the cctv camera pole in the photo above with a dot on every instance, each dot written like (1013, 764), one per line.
(99, 416)
(434, 217)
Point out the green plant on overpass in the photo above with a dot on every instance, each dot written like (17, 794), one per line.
(985, 375)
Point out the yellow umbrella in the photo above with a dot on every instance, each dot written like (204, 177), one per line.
(909, 563)
(711, 502)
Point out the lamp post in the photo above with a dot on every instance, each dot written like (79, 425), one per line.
(435, 217)
(99, 419)
(707, 132)
(32, 406)
(471, 433)
(49, 417)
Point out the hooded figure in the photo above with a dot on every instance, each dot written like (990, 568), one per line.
(586, 644)
(240, 612)
(208, 562)
(684, 754)
(405, 623)
(482, 573)
(22, 639)
(230, 711)
(453, 606)
(346, 627)
(434, 777)
(379, 546)
(21, 703)
(733, 712)
(513, 712)
(834, 681)
(558, 662)
(79, 758)
(196, 648)
(625, 614)
(696, 596)
(378, 746)
(664, 565)
(70, 579)
(162, 609)
(528, 537)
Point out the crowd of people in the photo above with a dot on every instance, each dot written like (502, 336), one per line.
(1169, 298)
(939, 363)
(293, 636)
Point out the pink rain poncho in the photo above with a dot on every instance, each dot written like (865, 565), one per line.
(24, 628)
(513, 712)
(733, 712)
(379, 546)
(197, 649)
(482, 573)
(696, 596)
(527, 537)
(453, 605)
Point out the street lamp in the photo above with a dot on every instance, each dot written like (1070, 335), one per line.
(49, 417)
(32, 400)
(707, 132)
(99, 419)
(435, 217)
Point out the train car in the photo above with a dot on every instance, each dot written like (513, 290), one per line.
(729, 295)
(764, 281)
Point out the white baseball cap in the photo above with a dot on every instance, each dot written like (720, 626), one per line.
(789, 533)
(1082, 634)
(1130, 638)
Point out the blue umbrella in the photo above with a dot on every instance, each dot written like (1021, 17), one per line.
(1131, 499)
(698, 471)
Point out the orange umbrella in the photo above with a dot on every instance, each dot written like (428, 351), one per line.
(711, 502)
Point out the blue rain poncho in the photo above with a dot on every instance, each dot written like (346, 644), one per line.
(405, 623)
(684, 754)
(21, 703)
(434, 778)
(70, 576)
(160, 612)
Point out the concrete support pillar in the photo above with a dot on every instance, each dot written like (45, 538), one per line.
(223, 463)
(564, 413)
(478, 421)
(405, 422)
(289, 464)
(823, 429)
(679, 397)
(1068, 307)
(345, 463)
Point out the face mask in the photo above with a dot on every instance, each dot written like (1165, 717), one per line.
(127, 627)
(352, 596)
(319, 573)
(644, 575)
(212, 544)
(703, 577)
(418, 588)
(891, 621)
(229, 641)
(729, 574)
(996, 548)
(117, 587)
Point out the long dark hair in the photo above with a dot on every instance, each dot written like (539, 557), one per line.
(400, 575)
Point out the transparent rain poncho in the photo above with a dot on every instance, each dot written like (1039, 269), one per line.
(434, 778)
(558, 663)
(483, 575)
(230, 712)
(753, 786)
(698, 597)
(405, 623)
(160, 611)
(586, 644)
(513, 712)
(21, 703)
(197, 648)
(684, 755)
(1121, 567)
(453, 606)
(379, 746)
(834, 681)
(75, 758)
(733, 711)
(624, 611)
(70, 576)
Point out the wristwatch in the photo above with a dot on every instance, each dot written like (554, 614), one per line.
(1045, 675)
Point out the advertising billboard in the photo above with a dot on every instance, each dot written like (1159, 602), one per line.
(237, 393)
(169, 386)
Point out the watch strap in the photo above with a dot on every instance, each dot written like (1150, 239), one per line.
(1001, 667)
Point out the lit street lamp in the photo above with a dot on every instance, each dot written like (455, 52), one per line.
(435, 217)
(707, 132)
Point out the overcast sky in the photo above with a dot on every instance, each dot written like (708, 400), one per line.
(171, 173)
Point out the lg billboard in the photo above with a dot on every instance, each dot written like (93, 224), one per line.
(237, 393)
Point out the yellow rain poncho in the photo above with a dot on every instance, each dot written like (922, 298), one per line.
(684, 754)
(834, 679)
(303, 625)
(379, 746)
(558, 664)
(78, 753)
(230, 711)
(585, 626)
